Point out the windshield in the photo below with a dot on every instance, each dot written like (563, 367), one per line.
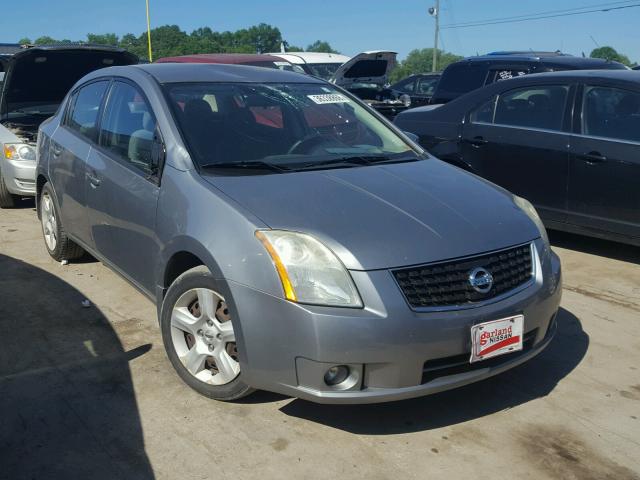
(288, 126)
(325, 71)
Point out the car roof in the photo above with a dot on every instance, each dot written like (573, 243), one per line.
(623, 75)
(210, 72)
(10, 48)
(538, 57)
(228, 58)
(314, 57)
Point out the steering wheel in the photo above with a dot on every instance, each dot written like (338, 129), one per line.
(308, 143)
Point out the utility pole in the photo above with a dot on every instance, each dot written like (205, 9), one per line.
(435, 13)
(149, 33)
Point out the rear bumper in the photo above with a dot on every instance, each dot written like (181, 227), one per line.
(19, 176)
(287, 348)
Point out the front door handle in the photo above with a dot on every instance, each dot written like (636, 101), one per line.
(478, 141)
(56, 150)
(93, 179)
(593, 158)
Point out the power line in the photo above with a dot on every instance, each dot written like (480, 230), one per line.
(539, 16)
(567, 10)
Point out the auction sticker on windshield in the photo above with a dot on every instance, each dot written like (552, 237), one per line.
(490, 339)
(329, 98)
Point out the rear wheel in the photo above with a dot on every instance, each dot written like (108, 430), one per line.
(59, 246)
(199, 337)
(7, 199)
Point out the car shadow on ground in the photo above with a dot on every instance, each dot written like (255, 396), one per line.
(529, 381)
(67, 405)
(595, 246)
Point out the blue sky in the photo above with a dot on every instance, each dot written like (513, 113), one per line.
(350, 26)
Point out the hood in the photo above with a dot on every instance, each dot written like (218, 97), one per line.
(366, 67)
(379, 217)
(44, 75)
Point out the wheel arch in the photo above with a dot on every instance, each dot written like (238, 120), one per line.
(181, 255)
(41, 180)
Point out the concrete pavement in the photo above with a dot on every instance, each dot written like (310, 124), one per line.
(89, 393)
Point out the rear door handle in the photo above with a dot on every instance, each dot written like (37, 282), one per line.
(593, 157)
(93, 179)
(478, 141)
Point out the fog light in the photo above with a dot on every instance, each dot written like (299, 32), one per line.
(336, 375)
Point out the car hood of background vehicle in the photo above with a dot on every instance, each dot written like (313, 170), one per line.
(377, 217)
(44, 75)
(366, 67)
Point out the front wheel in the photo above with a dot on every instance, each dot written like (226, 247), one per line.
(199, 337)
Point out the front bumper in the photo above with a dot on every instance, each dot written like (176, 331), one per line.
(390, 349)
(19, 176)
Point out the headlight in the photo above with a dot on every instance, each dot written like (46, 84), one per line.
(531, 212)
(19, 151)
(405, 99)
(309, 271)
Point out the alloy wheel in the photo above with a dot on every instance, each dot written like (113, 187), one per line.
(203, 336)
(49, 222)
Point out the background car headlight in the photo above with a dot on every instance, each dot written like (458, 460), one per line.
(405, 99)
(309, 271)
(526, 207)
(19, 151)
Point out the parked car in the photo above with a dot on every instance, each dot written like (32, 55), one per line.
(253, 60)
(322, 65)
(419, 87)
(569, 142)
(35, 82)
(637, 68)
(367, 76)
(475, 72)
(292, 240)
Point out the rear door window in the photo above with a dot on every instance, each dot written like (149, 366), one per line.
(611, 113)
(83, 114)
(128, 127)
(540, 107)
(461, 78)
(406, 86)
(498, 75)
(426, 86)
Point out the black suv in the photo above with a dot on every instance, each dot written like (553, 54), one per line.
(475, 72)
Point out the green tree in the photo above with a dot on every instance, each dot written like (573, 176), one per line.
(321, 46)
(102, 39)
(421, 61)
(294, 48)
(45, 40)
(610, 53)
(24, 41)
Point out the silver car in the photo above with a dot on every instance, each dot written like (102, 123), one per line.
(293, 239)
(35, 82)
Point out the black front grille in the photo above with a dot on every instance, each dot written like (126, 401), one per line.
(447, 284)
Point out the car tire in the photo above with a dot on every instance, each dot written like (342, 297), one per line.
(198, 336)
(7, 199)
(58, 244)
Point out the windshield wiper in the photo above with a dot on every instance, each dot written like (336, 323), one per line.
(356, 160)
(249, 165)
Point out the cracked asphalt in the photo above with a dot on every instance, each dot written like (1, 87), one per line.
(89, 393)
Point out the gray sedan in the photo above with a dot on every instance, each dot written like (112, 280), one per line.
(293, 240)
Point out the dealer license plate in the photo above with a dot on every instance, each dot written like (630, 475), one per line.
(490, 339)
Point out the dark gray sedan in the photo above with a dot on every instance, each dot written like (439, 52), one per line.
(293, 240)
(569, 142)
